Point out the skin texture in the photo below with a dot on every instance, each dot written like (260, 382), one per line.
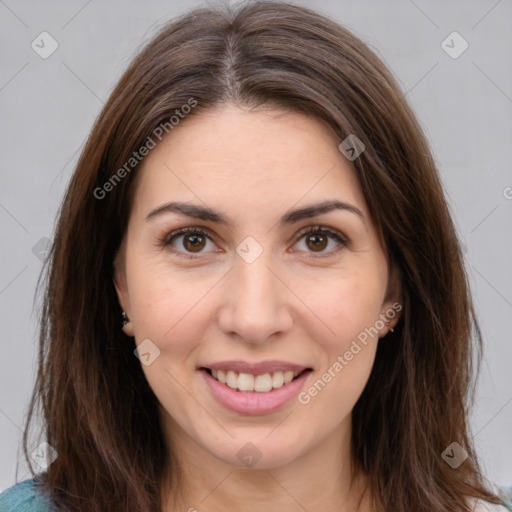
(293, 303)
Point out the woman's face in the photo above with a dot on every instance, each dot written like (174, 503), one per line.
(247, 286)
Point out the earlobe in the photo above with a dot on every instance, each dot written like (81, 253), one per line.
(127, 325)
(392, 305)
(389, 317)
(119, 280)
(122, 296)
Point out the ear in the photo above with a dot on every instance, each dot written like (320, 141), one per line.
(120, 284)
(392, 305)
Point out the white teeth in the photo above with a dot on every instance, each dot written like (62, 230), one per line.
(288, 377)
(277, 379)
(248, 382)
(245, 382)
(263, 383)
(232, 379)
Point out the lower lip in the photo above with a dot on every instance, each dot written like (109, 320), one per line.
(254, 402)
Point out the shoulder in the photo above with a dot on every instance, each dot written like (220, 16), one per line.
(483, 506)
(24, 497)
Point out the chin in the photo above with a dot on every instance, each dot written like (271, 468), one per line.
(257, 452)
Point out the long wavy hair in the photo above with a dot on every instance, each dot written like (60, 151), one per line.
(99, 412)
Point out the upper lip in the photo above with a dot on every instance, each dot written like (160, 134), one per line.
(256, 368)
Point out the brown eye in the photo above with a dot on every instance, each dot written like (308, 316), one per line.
(318, 238)
(194, 243)
(317, 242)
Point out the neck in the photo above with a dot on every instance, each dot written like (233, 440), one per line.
(322, 479)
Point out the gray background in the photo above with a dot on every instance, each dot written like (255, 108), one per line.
(464, 104)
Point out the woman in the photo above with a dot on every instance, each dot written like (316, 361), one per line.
(258, 204)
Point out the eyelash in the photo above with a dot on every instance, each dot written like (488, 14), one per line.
(312, 230)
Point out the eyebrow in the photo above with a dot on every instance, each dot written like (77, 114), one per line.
(290, 217)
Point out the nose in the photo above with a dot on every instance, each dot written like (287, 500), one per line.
(254, 305)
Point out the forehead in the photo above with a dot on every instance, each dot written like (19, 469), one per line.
(247, 159)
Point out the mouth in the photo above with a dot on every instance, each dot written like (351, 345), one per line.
(255, 393)
(255, 383)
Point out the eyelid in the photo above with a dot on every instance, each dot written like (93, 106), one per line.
(165, 240)
(335, 234)
(321, 228)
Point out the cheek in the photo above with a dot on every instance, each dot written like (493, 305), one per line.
(345, 307)
(346, 313)
(170, 307)
(340, 386)
(349, 311)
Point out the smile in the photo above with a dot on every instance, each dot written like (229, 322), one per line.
(257, 383)
(249, 394)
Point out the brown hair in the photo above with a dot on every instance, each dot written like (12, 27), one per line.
(99, 411)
